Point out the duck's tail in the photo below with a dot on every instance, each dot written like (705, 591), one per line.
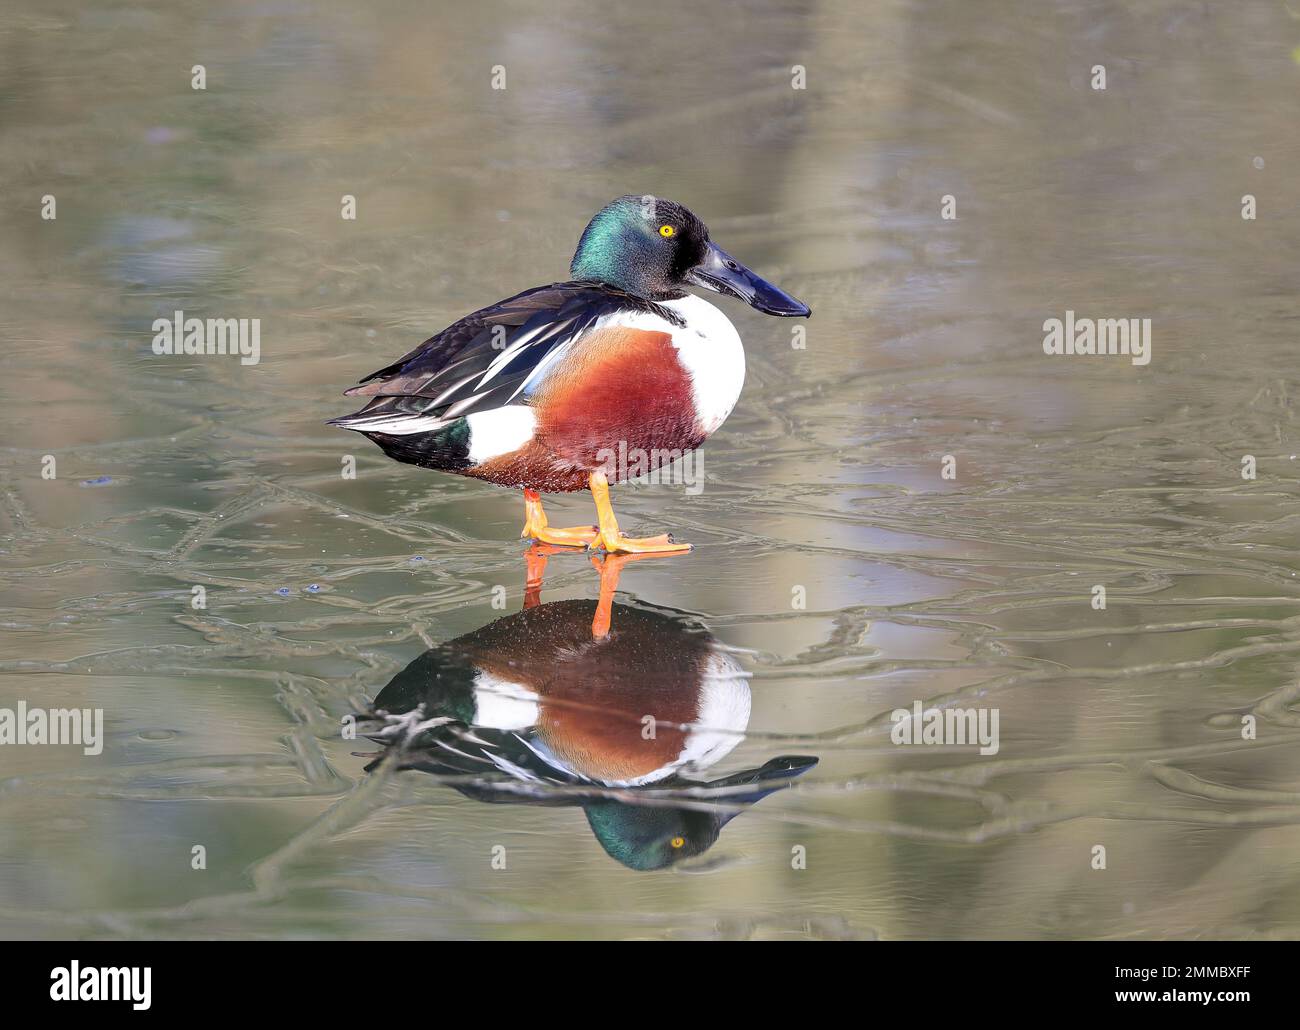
(429, 441)
(388, 415)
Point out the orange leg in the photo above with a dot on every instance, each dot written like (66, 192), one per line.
(610, 567)
(535, 568)
(611, 538)
(536, 528)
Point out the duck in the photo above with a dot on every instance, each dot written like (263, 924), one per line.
(544, 707)
(583, 383)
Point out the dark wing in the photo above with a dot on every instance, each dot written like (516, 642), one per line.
(482, 763)
(491, 358)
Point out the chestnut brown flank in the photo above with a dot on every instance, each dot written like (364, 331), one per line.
(619, 385)
(593, 697)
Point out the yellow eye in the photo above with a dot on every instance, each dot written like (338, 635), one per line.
(676, 842)
(665, 231)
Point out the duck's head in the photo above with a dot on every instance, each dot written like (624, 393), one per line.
(654, 248)
(660, 835)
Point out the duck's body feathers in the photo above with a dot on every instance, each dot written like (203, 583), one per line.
(539, 390)
(488, 358)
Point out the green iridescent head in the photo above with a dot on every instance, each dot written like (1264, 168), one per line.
(643, 245)
(655, 248)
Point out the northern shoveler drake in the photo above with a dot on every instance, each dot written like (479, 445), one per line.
(540, 392)
(530, 709)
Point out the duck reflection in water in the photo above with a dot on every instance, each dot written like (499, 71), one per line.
(592, 704)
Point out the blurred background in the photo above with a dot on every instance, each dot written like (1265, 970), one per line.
(1119, 727)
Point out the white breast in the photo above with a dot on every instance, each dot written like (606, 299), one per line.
(723, 712)
(708, 347)
(503, 704)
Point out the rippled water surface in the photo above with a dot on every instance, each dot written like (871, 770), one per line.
(837, 574)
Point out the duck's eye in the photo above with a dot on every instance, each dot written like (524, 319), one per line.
(665, 231)
(676, 842)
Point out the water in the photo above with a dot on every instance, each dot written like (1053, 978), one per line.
(1119, 727)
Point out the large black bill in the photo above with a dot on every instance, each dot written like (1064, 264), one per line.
(722, 273)
(768, 779)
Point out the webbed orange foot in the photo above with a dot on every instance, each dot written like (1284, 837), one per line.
(576, 536)
(612, 540)
(536, 527)
(616, 543)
